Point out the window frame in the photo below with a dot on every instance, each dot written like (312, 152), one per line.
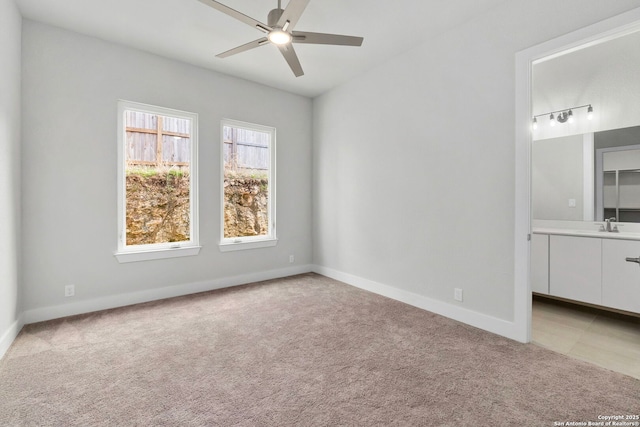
(250, 242)
(132, 253)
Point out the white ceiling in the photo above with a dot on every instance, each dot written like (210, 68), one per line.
(192, 32)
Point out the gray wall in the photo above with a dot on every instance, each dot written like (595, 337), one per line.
(557, 175)
(10, 30)
(71, 84)
(414, 160)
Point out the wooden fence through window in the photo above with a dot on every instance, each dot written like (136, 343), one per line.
(245, 149)
(154, 140)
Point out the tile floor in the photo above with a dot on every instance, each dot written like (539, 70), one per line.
(606, 339)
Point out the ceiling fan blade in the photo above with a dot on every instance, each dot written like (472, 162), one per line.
(323, 38)
(244, 47)
(235, 14)
(292, 13)
(292, 59)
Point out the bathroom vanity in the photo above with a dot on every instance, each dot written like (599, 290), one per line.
(588, 266)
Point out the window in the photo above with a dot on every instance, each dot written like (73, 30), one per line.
(157, 183)
(248, 186)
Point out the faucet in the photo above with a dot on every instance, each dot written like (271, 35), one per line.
(608, 226)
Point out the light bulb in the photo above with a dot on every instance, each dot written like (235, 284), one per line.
(590, 112)
(535, 123)
(570, 114)
(279, 37)
(552, 120)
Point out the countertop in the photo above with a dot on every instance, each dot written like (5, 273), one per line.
(622, 235)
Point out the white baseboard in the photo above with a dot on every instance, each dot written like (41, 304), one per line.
(10, 335)
(488, 323)
(121, 300)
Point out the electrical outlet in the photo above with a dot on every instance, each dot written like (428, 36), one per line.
(457, 294)
(291, 259)
(69, 290)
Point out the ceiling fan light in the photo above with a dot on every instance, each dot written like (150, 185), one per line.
(279, 37)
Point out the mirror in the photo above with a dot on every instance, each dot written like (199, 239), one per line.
(587, 168)
(587, 177)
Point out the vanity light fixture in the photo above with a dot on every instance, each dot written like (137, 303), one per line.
(563, 116)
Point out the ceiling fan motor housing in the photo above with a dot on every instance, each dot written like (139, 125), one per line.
(274, 17)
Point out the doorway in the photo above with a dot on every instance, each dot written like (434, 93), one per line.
(593, 35)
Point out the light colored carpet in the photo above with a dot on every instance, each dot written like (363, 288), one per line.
(300, 351)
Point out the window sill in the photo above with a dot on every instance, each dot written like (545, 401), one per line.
(148, 255)
(229, 246)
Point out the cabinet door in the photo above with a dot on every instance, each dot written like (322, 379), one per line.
(540, 263)
(620, 279)
(575, 268)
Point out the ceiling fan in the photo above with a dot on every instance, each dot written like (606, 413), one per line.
(279, 31)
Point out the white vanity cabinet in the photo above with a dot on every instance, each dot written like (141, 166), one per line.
(540, 263)
(589, 269)
(575, 268)
(620, 278)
